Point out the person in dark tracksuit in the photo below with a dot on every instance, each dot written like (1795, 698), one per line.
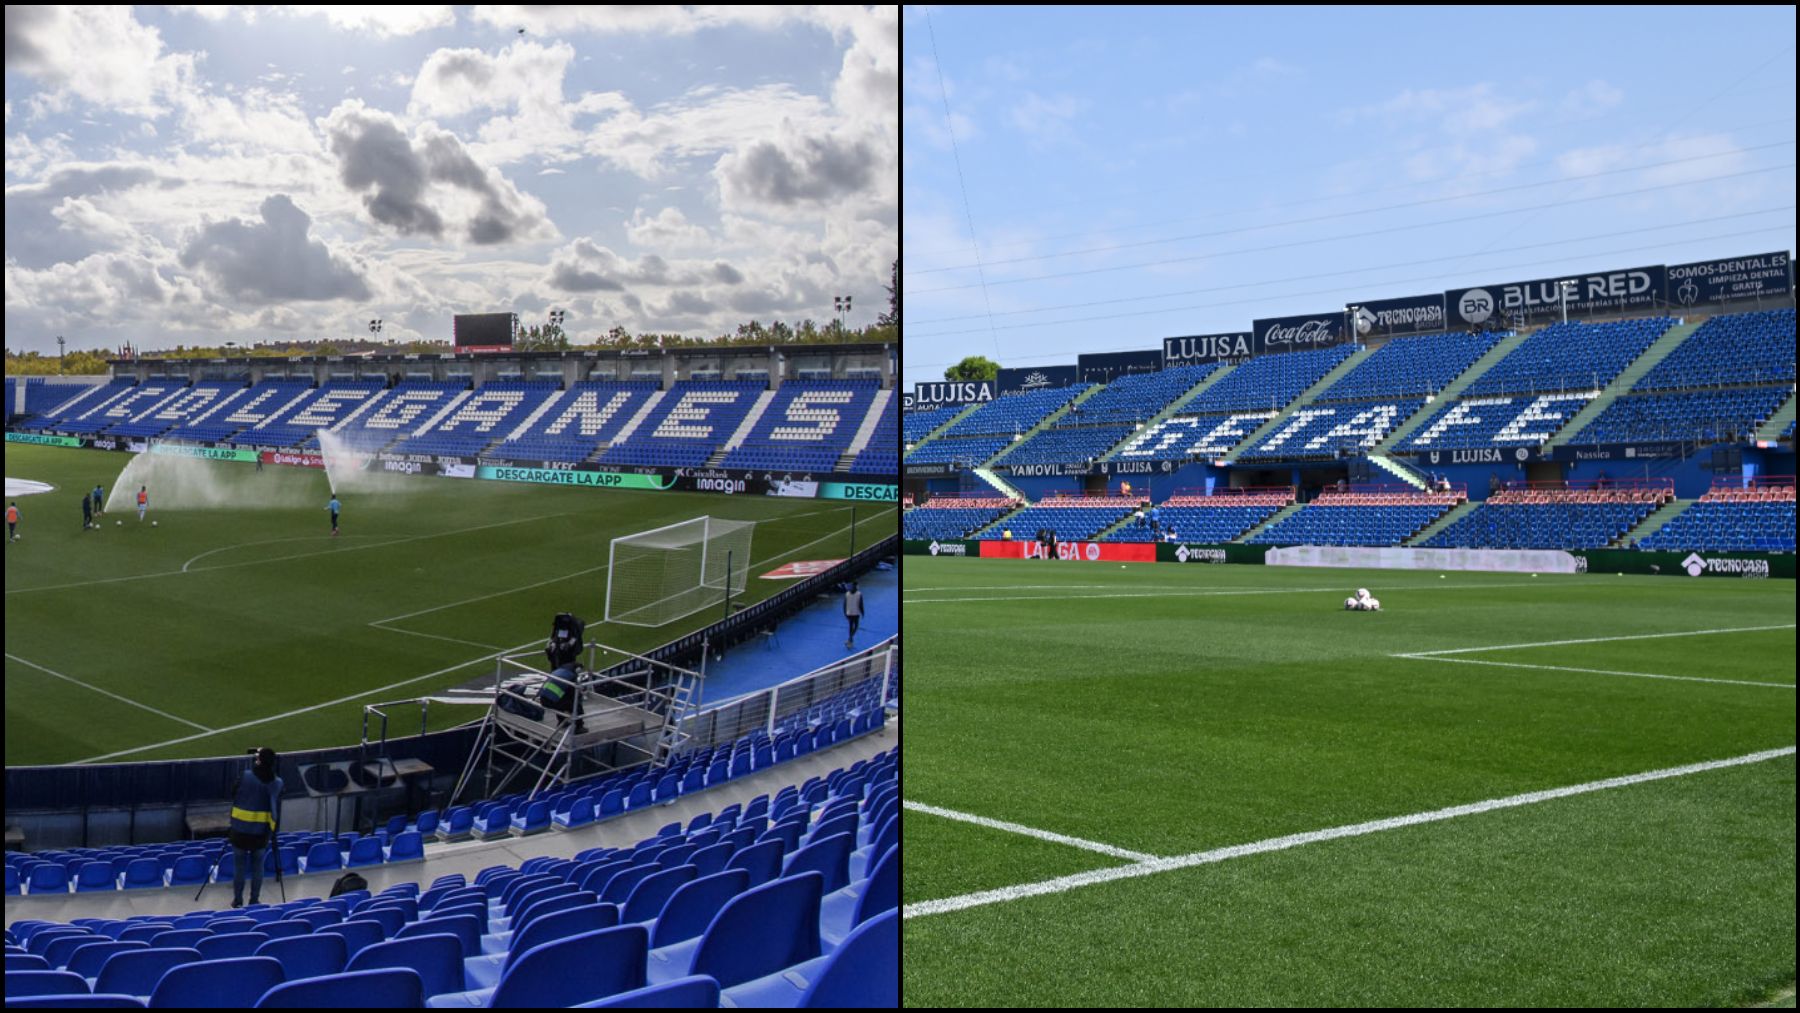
(853, 610)
(87, 513)
(254, 812)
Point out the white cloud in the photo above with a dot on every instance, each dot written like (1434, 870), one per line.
(668, 229)
(98, 54)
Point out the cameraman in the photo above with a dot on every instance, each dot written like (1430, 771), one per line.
(255, 811)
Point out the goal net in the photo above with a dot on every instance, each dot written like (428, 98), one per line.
(658, 576)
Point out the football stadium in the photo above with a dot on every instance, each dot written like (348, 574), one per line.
(1314, 599)
(1580, 538)
(701, 536)
(452, 484)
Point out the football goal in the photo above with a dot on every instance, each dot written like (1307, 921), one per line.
(658, 576)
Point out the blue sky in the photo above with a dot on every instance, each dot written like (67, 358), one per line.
(203, 174)
(1132, 174)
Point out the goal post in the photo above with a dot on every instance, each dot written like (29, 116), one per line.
(658, 576)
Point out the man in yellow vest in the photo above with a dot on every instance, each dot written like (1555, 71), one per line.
(254, 811)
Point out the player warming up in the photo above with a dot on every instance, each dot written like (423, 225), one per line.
(333, 506)
(1362, 602)
(12, 521)
(143, 498)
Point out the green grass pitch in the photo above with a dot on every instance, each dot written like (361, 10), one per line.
(228, 627)
(1167, 710)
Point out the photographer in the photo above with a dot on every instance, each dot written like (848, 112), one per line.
(255, 811)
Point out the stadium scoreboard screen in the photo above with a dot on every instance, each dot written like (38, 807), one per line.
(485, 331)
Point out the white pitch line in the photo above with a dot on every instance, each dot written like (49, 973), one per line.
(1042, 835)
(276, 559)
(314, 707)
(593, 569)
(403, 682)
(1604, 640)
(434, 636)
(104, 692)
(1596, 671)
(1213, 593)
(1063, 884)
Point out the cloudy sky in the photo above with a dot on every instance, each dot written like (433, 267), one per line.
(181, 174)
(1124, 175)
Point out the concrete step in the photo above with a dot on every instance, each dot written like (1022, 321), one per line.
(1399, 469)
(1280, 515)
(1306, 396)
(1173, 409)
(1658, 517)
(1452, 390)
(1043, 424)
(1457, 513)
(1778, 422)
(998, 484)
(1658, 350)
(954, 418)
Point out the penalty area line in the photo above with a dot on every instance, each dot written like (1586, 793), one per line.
(1016, 828)
(1594, 671)
(1600, 640)
(106, 692)
(1063, 884)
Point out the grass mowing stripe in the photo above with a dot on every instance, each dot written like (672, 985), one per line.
(1232, 593)
(1042, 835)
(273, 559)
(1154, 866)
(106, 692)
(314, 707)
(403, 682)
(1596, 671)
(1606, 640)
(596, 569)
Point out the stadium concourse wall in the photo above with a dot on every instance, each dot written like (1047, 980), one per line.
(95, 805)
(756, 482)
(1750, 565)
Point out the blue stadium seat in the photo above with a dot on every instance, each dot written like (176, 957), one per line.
(863, 972)
(693, 992)
(579, 968)
(77, 1002)
(692, 907)
(136, 972)
(216, 984)
(437, 958)
(386, 988)
(29, 983)
(230, 944)
(758, 932)
(88, 959)
(307, 956)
